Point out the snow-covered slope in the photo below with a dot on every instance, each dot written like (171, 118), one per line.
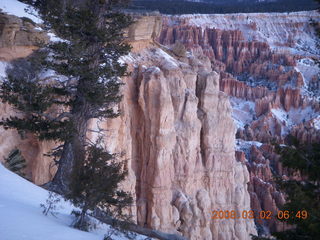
(273, 28)
(17, 8)
(21, 216)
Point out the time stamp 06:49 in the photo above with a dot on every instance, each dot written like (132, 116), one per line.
(226, 214)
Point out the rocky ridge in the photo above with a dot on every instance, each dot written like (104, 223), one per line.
(177, 135)
(176, 129)
(18, 37)
(267, 67)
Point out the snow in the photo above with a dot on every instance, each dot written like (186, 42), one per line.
(3, 66)
(129, 58)
(166, 59)
(294, 116)
(154, 69)
(17, 8)
(281, 115)
(54, 38)
(316, 123)
(298, 115)
(49, 76)
(245, 146)
(264, 182)
(21, 217)
(309, 70)
(273, 28)
(243, 111)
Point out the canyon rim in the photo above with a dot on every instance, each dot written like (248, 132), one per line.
(196, 130)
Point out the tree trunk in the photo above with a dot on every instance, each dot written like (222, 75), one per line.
(61, 181)
(81, 221)
(73, 153)
(74, 150)
(98, 214)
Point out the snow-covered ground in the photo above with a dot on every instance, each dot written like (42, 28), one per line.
(3, 66)
(309, 70)
(21, 216)
(243, 111)
(274, 28)
(316, 123)
(20, 9)
(17, 8)
(294, 117)
(245, 146)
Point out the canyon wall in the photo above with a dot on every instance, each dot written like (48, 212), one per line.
(267, 65)
(177, 137)
(178, 134)
(18, 39)
(191, 127)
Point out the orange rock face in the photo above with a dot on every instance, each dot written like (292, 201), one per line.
(177, 136)
(257, 60)
(176, 130)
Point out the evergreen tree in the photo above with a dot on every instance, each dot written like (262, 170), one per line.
(302, 195)
(302, 209)
(87, 58)
(95, 185)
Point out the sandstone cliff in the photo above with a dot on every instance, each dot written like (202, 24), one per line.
(18, 37)
(177, 135)
(177, 129)
(266, 65)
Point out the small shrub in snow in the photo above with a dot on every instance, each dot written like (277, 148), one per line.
(15, 162)
(95, 185)
(51, 204)
(83, 223)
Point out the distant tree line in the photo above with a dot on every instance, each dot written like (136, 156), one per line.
(182, 7)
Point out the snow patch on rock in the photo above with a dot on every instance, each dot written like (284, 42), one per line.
(17, 8)
(308, 70)
(294, 117)
(243, 111)
(245, 146)
(168, 60)
(273, 28)
(316, 123)
(3, 66)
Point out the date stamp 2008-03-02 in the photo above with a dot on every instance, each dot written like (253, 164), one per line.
(267, 215)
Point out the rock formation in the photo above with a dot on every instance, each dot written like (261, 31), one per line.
(177, 135)
(179, 139)
(176, 130)
(18, 37)
(266, 67)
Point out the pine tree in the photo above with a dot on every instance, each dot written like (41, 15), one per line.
(95, 185)
(87, 58)
(303, 196)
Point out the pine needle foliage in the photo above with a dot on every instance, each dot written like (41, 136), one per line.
(96, 185)
(87, 82)
(15, 162)
(302, 194)
(33, 98)
(88, 74)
